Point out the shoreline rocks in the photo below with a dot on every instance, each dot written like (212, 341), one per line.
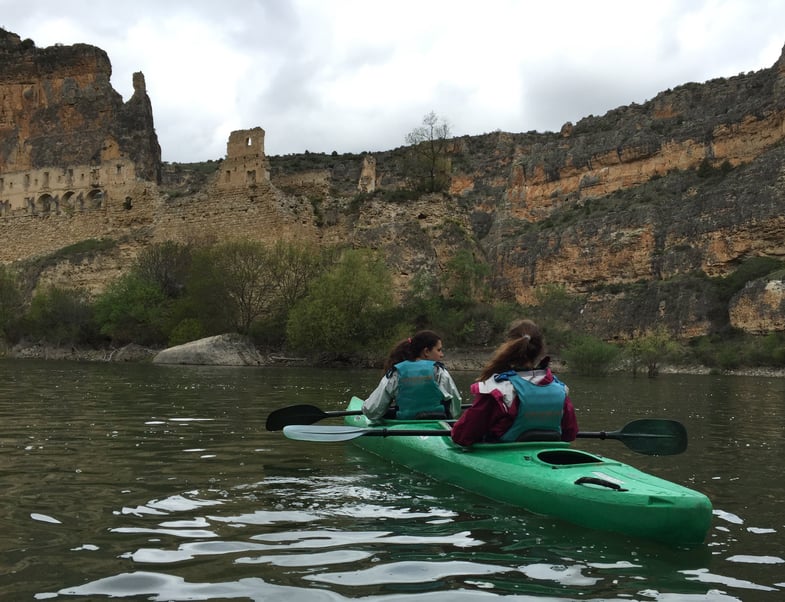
(236, 350)
(219, 350)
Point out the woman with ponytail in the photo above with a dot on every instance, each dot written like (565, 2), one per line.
(517, 397)
(416, 384)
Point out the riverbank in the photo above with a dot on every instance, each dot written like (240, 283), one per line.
(457, 360)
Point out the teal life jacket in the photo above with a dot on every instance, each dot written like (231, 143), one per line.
(540, 407)
(418, 392)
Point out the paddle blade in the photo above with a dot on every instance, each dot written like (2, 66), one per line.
(300, 432)
(650, 436)
(655, 437)
(298, 414)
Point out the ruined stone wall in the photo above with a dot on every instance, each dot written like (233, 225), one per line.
(245, 164)
(240, 202)
(115, 214)
(234, 205)
(72, 189)
(261, 213)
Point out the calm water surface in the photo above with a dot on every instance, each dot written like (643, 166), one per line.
(161, 483)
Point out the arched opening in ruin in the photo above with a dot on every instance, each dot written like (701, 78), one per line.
(95, 199)
(44, 204)
(67, 203)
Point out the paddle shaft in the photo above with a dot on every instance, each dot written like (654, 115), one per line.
(648, 436)
(306, 414)
(619, 435)
(385, 432)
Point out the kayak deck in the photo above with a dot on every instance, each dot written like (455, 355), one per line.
(551, 479)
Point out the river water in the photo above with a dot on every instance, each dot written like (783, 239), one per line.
(146, 482)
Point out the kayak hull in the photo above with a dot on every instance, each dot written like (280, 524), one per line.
(551, 479)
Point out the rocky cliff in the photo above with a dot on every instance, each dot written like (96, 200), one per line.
(639, 214)
(640, 211)
(58, 108)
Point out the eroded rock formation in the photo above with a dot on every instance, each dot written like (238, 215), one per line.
(636, 211)
(58, 108)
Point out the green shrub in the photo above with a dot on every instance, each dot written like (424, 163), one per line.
(651, 349)
(186, 331)
(10, 303)
(61, 316)
(346, 310)
(133, 310)
(590, 356)
(728, 358)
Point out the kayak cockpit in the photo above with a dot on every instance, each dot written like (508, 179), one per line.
(567, 457)
(555, 454)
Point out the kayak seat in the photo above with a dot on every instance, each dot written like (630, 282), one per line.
(539, 435)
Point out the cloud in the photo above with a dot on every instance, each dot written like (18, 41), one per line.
(353, 76)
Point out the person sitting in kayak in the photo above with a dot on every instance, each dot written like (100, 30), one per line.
(415, 383)
(516, 398)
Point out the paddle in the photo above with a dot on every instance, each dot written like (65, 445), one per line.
(305, 414)
(652, 436)
(301, 414)
(325, 434)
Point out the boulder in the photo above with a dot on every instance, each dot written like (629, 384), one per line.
(759, 308)
(220, 350)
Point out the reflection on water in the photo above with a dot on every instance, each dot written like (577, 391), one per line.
(160, 483)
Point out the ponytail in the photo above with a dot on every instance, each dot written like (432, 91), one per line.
(410, 349)
(523, 346)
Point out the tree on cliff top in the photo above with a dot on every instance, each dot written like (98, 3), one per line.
(429, 164)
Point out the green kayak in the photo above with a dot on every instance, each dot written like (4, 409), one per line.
(549, 478)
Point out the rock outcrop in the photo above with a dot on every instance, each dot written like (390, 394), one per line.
(220, 350)
(636, 213)
(59, 109)
(760, 307)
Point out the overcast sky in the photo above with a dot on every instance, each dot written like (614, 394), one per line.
(353, 76)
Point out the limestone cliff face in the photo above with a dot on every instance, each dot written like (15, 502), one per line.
(59, 108)
(619, 208)
(638, 212)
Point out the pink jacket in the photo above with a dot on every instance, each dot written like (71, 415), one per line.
(489, 417)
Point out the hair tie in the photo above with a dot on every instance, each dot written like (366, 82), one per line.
(409, 340)
(527, 337)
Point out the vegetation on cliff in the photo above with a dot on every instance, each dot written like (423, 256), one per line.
(339, 304)
(652, 232)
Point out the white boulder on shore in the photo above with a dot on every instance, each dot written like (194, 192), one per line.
(220, 350)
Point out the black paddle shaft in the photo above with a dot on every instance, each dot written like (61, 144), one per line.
(305, 414)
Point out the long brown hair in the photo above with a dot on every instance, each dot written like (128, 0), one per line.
(410, 349)
(523, 347)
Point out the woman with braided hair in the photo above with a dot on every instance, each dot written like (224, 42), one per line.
(517, 397)
(416, 384)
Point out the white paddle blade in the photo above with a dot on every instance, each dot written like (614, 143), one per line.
(308, 432)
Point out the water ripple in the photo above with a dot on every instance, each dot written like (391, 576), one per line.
(408, 572)
(108, 493)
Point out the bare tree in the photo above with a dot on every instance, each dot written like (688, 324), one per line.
(430, 163)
